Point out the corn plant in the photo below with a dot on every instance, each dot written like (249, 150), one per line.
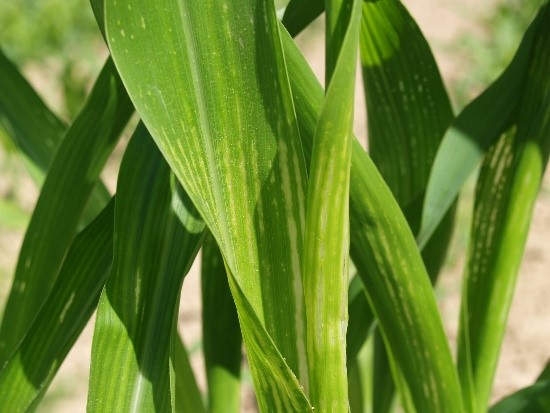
(311, 247)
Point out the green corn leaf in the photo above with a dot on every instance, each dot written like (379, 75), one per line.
(242, 166)
(408, 107)
(380, 230)
(187, 393)
(67, 309)
(157, 235)
(505, 196)
(387, 258)
(279, 387)
(70, 181)
(470, 135)
(300, 13)
(33, 127)
(532, 399)
(545, 373)
(326, 250)
(221, 334)
(36, 131)
(408, 112)
(355, 388)
(360, 322)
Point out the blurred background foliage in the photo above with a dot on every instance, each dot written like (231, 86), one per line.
(484, 56)
(56, 37)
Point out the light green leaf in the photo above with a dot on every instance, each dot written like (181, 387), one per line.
(279, 388)
(157, 235)
(242, 166)
(221, 333)
(70, 181)
(506, 191)
(470, 135)
(387, 258)
(326, 248)
(67, 309)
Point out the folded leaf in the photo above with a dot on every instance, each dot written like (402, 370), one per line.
(242, 166)
(157, 235)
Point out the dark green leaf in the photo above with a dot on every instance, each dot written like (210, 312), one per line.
(66, 310)
(532, 399)
(70, 181)
(221, 334)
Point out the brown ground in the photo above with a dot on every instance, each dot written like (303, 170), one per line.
(525, 348)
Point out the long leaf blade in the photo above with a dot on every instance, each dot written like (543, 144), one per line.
(75, 171)
(36, 130)
(325, 265)
(505, 196)
(408, 111)
(242, 166)
(67, 309)
(157, 235)
(470, 135)
(187, 394)
(387, 258)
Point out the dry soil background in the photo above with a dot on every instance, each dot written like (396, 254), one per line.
(526, 346)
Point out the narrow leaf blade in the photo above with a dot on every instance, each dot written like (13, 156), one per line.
(326, 256)
(67, 309)
(221, 334)
(74, 171)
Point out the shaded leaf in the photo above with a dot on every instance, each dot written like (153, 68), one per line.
(242, 166)
(157, 235)
(470, 135)
(221, 333)
(70, 181)
(300, 13)
(532, 399)
(67, 309)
